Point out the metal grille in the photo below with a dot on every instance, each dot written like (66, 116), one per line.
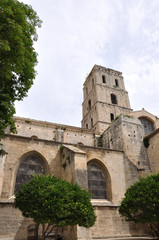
(96, 181)
(147, 125)
(31, 165)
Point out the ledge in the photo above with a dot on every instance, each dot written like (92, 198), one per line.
(6, 201)
(103, 203)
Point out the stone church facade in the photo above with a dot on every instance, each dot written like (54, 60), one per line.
(106, 156)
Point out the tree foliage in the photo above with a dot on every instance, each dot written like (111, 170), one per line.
(52, 201)
(18, 23)
(141, 202)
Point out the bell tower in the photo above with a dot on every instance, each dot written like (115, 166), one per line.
(105, 98)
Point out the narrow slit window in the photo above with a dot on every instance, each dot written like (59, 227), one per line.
(103, 79)
(89, 105)
(116, 83)
(111, 116)
(91, 122)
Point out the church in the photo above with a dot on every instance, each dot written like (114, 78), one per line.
(106, 155)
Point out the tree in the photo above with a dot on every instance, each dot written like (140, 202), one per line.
(54, 202)
(18, 23)
(141, 203)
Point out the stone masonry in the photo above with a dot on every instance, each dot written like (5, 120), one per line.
(110, 143)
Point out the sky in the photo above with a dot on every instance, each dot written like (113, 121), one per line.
(77, 34)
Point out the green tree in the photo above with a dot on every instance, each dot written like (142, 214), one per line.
(18, 23)
(141, 203)
(51, 202)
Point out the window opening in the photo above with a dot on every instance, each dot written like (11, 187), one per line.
(103, 79)
(113, 99)
(89, 105)
(96, 181)
(31, 165)
(91, 122)
(111, 116)
(87, 125)
(116, 83)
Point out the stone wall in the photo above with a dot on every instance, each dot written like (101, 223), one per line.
(153, 152)
(12, 224)
(16, 148)
(53, 132)
(126, 133)
(111, 225)
(96, 116)
(71, 165)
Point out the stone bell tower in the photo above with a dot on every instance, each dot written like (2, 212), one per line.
(105, 98)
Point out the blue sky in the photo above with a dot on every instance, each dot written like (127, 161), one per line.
(75, 35)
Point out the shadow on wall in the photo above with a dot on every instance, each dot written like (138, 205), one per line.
(55, 165)
(22, 232)
(137, 229)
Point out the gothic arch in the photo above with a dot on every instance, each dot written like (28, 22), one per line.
(99, 181)
(28, 164)
(148, 124)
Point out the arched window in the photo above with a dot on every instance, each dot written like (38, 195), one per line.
(34, 137)
(116, 83)
(111, 116)
(113, 99)
(30, 165)
(96, 181)
(103, 79)
(80, 143)
(89, 105)
(147, 125)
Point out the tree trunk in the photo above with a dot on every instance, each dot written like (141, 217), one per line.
(36, 231)
(43, 232)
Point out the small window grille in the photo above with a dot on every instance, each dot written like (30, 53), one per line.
(96, 181)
